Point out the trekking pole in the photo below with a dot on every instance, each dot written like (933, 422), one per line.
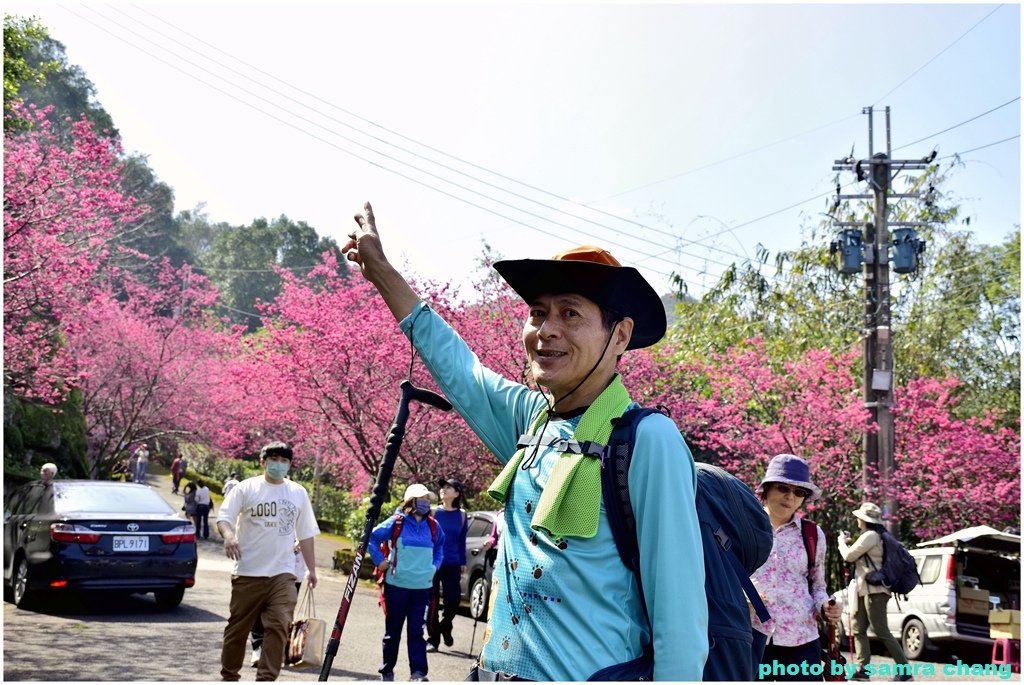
(472, 640)
(380, 491)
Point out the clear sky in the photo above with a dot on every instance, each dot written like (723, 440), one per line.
(678, 136)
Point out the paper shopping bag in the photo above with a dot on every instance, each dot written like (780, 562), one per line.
(306, 636)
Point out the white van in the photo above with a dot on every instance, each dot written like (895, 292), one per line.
(963, 576)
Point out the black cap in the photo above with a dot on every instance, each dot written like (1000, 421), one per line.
(452, 482)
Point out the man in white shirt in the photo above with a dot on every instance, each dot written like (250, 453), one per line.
(203, 505)
(260, 520)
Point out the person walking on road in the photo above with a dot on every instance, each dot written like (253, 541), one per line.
(455, 524)
(872, 600)
(141, 463)
(189, 505)
(177, 471)
(260, 521)
(408, 570)
(231, 482)
(203, 505)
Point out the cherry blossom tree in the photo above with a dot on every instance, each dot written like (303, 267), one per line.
(63, 208)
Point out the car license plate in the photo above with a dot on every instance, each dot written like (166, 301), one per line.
(131, 543)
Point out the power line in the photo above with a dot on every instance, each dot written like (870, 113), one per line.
(962, 123)
(939, 53)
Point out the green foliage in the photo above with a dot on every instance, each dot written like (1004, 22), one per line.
(958, 315)
(239, 261)
(356, 519)
(52, 81)
(36, 433)
(20, 37)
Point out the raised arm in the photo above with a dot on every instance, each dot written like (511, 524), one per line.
(365, 249)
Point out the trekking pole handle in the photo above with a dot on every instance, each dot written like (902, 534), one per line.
(380, 492)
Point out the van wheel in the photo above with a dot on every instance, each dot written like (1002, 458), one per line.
(478, 599)
(913, 639)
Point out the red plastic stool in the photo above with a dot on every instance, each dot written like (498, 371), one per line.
(1006, 651)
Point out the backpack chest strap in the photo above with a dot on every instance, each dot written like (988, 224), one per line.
(587, 448)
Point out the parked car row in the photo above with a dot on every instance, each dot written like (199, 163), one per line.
(95, 536)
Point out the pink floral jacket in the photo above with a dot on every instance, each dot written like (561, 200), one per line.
(782, 583)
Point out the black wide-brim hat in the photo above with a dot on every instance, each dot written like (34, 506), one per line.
(596, 275)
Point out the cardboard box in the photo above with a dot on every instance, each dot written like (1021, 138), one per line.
(1004, 623)
(972, 601)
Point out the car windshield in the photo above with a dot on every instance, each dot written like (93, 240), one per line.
(109, 498)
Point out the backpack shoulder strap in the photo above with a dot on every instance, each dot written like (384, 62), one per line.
(396, 532)
(432, 522)
(615, 485)
(809, 533)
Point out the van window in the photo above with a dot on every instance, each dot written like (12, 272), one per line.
(930, 569)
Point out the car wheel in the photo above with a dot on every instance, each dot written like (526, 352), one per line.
(478, 599)
(21, 594)
(913, 638)
(169, 599)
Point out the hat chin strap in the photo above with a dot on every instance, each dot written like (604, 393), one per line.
(607, 343)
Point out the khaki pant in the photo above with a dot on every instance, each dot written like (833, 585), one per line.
(878, 616)
(273, 600)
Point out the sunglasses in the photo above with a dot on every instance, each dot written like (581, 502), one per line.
(786, 489)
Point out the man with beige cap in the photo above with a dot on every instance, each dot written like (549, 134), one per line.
(867, 554)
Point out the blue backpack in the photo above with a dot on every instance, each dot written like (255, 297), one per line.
(736, 536)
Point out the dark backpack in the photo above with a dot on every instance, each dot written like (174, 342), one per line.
(899, 570)
(736, 536)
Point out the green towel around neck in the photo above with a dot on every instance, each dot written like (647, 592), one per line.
(570, 502)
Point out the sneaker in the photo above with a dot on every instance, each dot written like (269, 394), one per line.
(387, 677)
(903, 678)
(417, 676)
(448, 639)
(860, 674)
(255, 661)
(432, 648)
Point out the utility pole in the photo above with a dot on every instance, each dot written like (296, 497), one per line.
(869, 243)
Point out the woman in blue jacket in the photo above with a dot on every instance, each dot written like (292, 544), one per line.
(454, 522)
(415, 545)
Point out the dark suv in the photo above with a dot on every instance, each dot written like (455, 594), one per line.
(88, 535)
(475, 584)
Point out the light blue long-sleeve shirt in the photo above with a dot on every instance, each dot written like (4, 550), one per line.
(566, 608)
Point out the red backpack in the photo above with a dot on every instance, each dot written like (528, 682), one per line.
(396, 531)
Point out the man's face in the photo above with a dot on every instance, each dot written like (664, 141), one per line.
(564, 339)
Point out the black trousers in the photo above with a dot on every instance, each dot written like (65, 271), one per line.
(446, 588)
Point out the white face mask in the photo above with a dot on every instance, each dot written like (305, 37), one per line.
(278, 469)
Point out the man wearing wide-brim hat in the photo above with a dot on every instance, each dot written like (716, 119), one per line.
(871, 609)
(565, 607)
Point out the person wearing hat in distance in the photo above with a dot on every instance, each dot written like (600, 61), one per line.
(455, 524)
(260, 520)
(793, 602)
(867, 553)
(565, 607)
(408, 572)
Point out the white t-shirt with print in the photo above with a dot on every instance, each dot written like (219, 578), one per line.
(268, 519)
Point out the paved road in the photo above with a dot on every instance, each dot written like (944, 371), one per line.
(129, 639)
